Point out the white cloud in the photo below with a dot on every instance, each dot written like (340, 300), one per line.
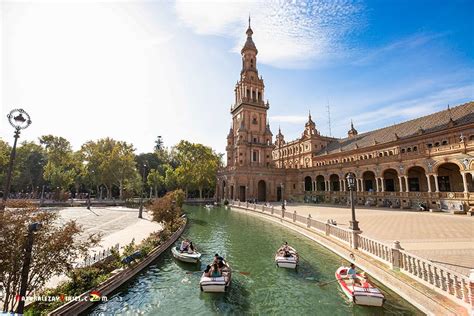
(287, 33)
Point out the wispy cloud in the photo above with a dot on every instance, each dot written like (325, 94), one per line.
(287, 33)
(399, 46)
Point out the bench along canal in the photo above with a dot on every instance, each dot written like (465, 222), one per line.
(249, 245)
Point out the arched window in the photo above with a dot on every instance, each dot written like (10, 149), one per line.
(415, 148)
(251, 63)
(444, 143)
(436, 144)
(403, 150)
(409, 149)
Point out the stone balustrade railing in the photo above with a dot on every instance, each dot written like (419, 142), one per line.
(441, 279)
(457, 287)
(375, 248)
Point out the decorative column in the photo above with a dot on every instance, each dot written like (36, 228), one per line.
(362, 185)
(406, 184)
(464, 181)
(344, 185)
(428, 178)
(436, 183)
(377, 185)
(357, 184)
(400, 183)
(329, 186)
(383, 184)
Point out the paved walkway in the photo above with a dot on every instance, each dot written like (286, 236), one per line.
(441, 237)
(116, 224)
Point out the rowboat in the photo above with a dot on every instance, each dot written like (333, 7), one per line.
(185, 256)
(361, 294)
(289, 262)
(217, 284)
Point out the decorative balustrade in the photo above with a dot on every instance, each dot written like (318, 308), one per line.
(96, 257)
(444, 280)
(375, 248)
(339, 233)
(457, 287)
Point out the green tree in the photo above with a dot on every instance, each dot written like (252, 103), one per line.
(29, 166)
(4, 159)
(167, 210)
(61, 167)
(198, 165)
(156, 181)
(110, 162)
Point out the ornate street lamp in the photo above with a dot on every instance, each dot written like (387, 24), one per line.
(354, 225)
(19, 119)
(26, 265)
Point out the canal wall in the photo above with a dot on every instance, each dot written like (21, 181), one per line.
(433, 289)
(111, 284)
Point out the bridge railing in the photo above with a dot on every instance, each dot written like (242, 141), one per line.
(459, 288)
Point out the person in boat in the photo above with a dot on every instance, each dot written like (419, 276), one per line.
(218, 258)
(215, 271)
(352, 274)
(207, 271)
(191, 248)
(184, 245)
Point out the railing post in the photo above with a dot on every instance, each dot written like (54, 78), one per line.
(308, 224)
(272, 209)
(395, 264)
(328, 229)
(294, 216)
(247, 204)
(255, 206)
(355, 239)
(282, 213)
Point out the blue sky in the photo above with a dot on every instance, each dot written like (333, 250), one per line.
(135, 70)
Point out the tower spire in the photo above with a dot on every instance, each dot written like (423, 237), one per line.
(249, 20)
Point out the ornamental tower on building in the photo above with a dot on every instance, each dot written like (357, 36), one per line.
(249, 142)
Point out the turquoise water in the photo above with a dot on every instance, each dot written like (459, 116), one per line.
(249, 244)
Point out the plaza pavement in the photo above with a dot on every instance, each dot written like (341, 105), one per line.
(443, 238)
(116, 224)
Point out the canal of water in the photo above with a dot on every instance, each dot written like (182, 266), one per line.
(249, 244)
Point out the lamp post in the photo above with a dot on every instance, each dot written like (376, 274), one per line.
(354, 225)
(140, 210)
(26, 265)
(19, 119)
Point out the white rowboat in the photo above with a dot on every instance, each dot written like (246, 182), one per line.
(185, 256)
(363, 294)
(217, 284)
(287, 262)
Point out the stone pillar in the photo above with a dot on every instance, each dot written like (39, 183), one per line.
(344, 185)
(464, 182)
(357, 185)
(377, 185)
(362, 185)
(400, 183)
(355, 238)
(428, 178)
(383, 184)
(308, 224)
(328, 186)
(406, 184)
(436, 183)
(395, 264)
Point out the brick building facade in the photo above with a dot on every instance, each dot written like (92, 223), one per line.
(428, 160)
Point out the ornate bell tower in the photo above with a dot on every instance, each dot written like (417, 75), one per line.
(249, 142)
